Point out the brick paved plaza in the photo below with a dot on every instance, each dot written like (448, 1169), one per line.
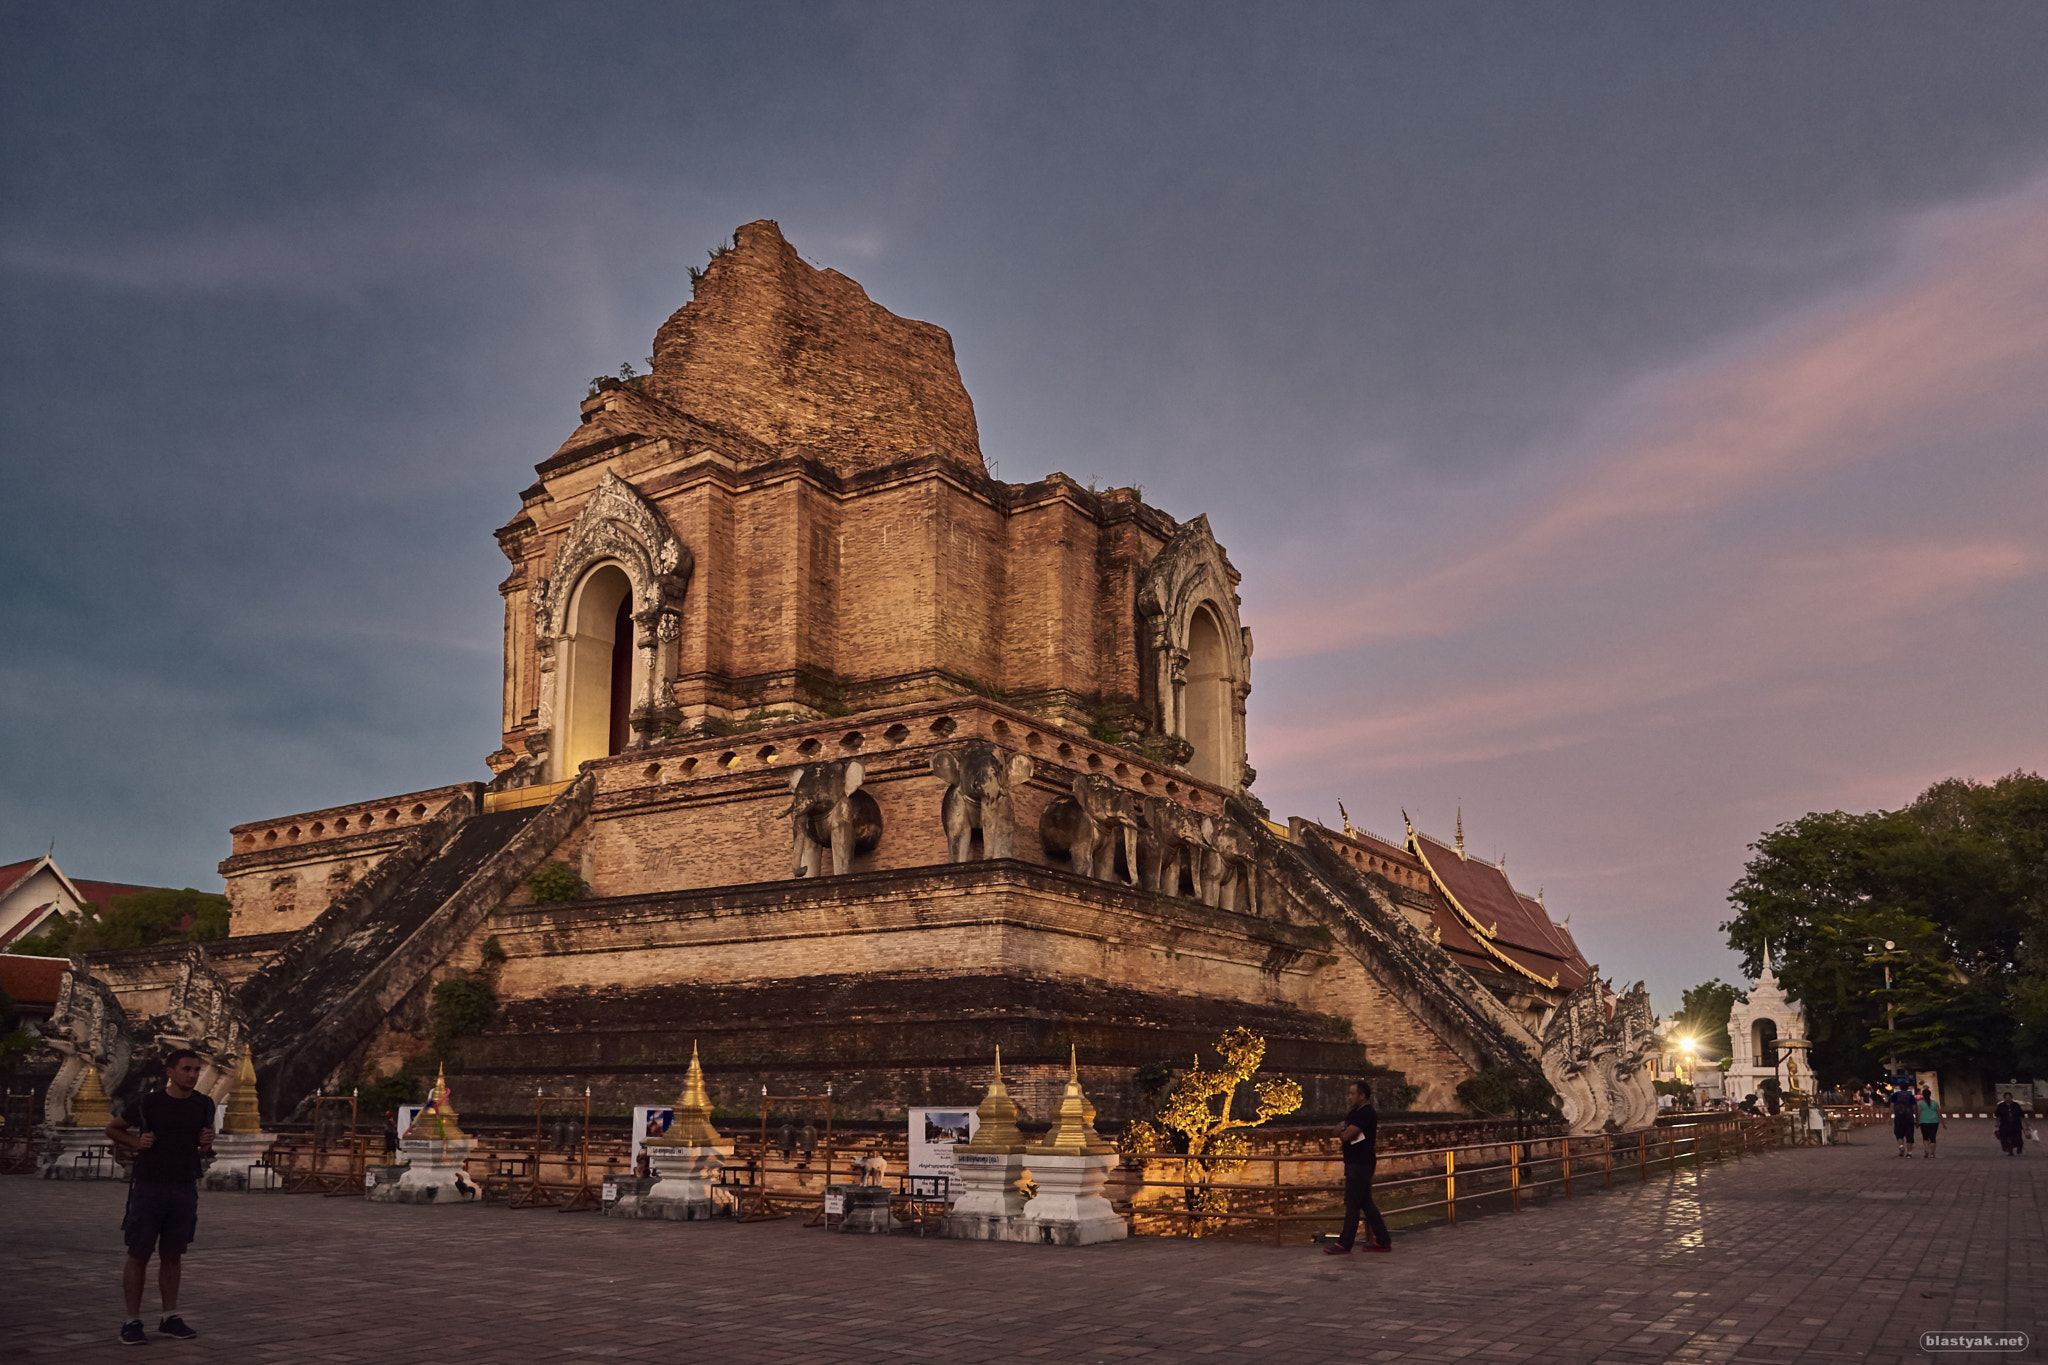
(1845, 1253)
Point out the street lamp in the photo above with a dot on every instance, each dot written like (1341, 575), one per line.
(1890, 1024)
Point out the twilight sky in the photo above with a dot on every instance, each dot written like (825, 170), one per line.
(1630, 420)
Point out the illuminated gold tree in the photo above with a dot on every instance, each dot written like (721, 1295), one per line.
(1199, 1109)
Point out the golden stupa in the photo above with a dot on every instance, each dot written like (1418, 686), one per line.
(1073, 1127)
(89, 1107)
(997, 1132)
(243, 1114)
(438, 1122)
(691, 1126)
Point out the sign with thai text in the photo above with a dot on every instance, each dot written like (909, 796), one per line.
(933, 1132)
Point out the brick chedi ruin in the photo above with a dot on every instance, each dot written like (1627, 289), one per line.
(868, 763)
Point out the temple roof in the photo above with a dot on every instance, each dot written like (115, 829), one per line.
(1483, 917)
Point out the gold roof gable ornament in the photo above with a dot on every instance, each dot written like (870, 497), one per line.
(89, 1107)
(244, 1116)
(1073, 1126)
(692, 1124)
(438, 1121)
(996, 1132)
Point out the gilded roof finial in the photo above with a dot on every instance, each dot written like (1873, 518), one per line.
(692, 1124)
(1073, 1127)
(1350, 830)
(996, 1130)
(1461, 829)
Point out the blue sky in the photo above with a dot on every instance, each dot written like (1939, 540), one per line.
(1629, 419)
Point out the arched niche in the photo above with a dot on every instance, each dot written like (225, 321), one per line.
(607, 620)
(597, 667)
(1196, 655)
(1205, 701)
(1764, 1042)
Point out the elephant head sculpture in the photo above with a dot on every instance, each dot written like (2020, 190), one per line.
(1231, 858)
(1171, 833)
(1088, 825)
(824, 800)
(978, 780)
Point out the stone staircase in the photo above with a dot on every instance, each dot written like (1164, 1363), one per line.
(322, 998)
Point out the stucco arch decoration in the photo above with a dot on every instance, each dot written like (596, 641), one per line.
(616, 526)
(1190, 576)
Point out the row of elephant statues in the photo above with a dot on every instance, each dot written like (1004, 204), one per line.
(1104, 830)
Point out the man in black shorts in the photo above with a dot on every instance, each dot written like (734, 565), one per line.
(168, 1130)
(1358, 1137)
(1905, 1114)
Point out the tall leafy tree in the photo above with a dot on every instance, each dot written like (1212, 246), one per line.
(1955, 883)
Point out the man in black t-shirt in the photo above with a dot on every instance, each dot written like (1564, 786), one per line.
(169, 1131)
(1357, 1137)
(1905, 1111)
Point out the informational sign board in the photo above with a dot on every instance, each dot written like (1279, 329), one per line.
(835, 1203)
(649, 1120)
(932, 1135)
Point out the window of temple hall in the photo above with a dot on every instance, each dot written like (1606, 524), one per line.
(1766, 1033)
(1206, 700)
(598, 677)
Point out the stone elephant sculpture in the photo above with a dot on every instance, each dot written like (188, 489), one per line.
(825, 808)
(1169, 835)
(978, 780)
(1231, 858)
(1090, 824)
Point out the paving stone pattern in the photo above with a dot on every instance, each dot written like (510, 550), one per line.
(1844, 1253)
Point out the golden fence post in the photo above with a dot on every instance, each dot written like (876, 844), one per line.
(1607, 1157)
(1515, 1175)
(1643, 1157)
(1451, 1183)
(1567, 1145)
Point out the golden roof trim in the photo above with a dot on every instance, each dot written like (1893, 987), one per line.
(1481, 935)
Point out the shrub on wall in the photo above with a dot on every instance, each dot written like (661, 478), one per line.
(553, 883)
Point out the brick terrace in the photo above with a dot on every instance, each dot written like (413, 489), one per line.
(1844, 1253)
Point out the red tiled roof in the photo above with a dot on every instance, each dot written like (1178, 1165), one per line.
(10, 873)
(1510, 925)
(32, 980)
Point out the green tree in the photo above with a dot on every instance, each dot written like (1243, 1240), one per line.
(1956, 883)
(1704, 1017)
(142, 920)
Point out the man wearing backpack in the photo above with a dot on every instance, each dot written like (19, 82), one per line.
(168, 1130)
(1905, 1118)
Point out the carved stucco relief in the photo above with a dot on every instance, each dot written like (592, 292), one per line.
(1188, 574)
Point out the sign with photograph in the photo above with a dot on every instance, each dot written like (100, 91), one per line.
(406, 1114)
(649, 1120)
(932, 1135)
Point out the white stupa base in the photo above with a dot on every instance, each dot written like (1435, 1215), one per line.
(1069, 1208)
(233, 1155)
(686, 1187)
(63, 1155)
(433, 1175)
(990, 1207)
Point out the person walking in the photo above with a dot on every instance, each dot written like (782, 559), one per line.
(1930, 1118)
(1905, 1112)
(1358, 1138)
(2011, 1122)
(169, 1131)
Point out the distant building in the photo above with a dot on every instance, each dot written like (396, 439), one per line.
(32, 892)
(1756, 1029)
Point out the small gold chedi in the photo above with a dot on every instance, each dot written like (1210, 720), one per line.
(438, 1122)
(1073, 1128)
(89, 1107)
(243, 1114)
(996, 1132)
(692, 1124)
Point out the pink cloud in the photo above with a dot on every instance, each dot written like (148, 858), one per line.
(1952, 339)
(1808, 613)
